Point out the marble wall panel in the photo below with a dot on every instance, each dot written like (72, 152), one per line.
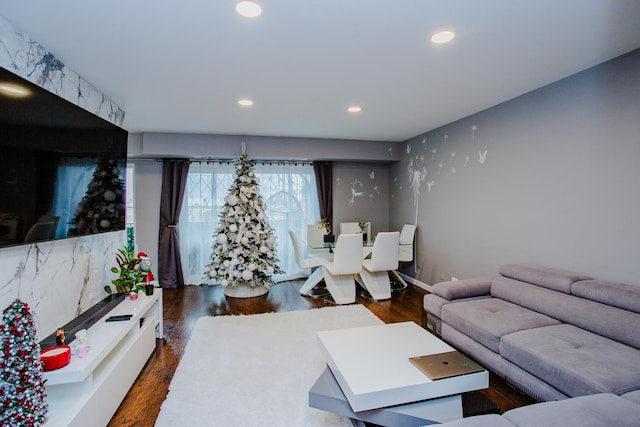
(27, 58)
(60, 279)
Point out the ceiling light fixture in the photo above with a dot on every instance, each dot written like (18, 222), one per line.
(14, 90)
(248, 9)
(354, 109)
(245, 102)
(442, 37)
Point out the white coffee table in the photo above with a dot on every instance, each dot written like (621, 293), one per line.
(371, 365)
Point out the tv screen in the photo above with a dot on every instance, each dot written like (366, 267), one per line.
(62, 168)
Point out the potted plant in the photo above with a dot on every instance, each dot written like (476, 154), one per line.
(130, 277)
(326, 226)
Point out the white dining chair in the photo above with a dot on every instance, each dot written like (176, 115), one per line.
(339, 274)
(41, 231)
(315, 241)
(349, 228)
(406, 250)
(354, 228)
(305, 263)
(375, 270)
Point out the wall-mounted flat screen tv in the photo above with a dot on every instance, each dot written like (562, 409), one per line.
(62, 168)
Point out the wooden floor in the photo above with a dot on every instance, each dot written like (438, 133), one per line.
(183, 306)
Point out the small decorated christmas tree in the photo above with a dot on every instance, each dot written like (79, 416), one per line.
(243, 256)
(22, 390)
(102, 207)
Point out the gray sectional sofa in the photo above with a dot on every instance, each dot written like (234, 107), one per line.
(552, 334)
(596, 410)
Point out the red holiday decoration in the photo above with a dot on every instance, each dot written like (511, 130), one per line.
(55, 357)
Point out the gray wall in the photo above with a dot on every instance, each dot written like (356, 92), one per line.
(148, 186)
(559, 185)
(361, 193)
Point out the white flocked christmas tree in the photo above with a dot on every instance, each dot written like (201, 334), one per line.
(243, 257)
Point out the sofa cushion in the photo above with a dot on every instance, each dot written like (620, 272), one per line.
(609, 293)
(487, 320)
(593, 316)
(633, 396)
(558, 280)
(491, 420)
(462, 288)
(432, 303)
(525, 294)
(575, 361)
(597, 410)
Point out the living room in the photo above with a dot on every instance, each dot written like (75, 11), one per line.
(546, 177)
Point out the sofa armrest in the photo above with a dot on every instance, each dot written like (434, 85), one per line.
(464, 288)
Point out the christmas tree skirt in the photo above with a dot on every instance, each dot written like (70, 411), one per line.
(256, 370)
(241, 291)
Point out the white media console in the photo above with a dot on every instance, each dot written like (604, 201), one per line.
(88, 391)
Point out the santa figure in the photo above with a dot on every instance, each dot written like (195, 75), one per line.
(145, 266)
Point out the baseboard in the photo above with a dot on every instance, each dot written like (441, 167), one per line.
(415, 281)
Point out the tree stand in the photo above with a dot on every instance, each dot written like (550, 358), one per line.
(241, 291)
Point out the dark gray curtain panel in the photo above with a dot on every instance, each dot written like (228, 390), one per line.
(174, 181)
(324, 182)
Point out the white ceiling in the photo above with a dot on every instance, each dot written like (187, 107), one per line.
(181, 66)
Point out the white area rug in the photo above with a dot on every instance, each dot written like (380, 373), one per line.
(256, 370)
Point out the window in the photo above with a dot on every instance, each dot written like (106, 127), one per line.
(288, 190)
(72, 180)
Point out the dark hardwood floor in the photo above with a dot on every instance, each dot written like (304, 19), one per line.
(183, 306)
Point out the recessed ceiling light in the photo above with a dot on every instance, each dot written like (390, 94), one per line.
(245, 102)
(14, 90)
(442, 37)
(354, 109)
(248, 9)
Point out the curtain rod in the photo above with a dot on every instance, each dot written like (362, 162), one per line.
(231, 161)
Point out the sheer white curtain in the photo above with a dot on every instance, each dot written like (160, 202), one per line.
(288, 190)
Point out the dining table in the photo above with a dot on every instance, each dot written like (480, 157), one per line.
(367, 246)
